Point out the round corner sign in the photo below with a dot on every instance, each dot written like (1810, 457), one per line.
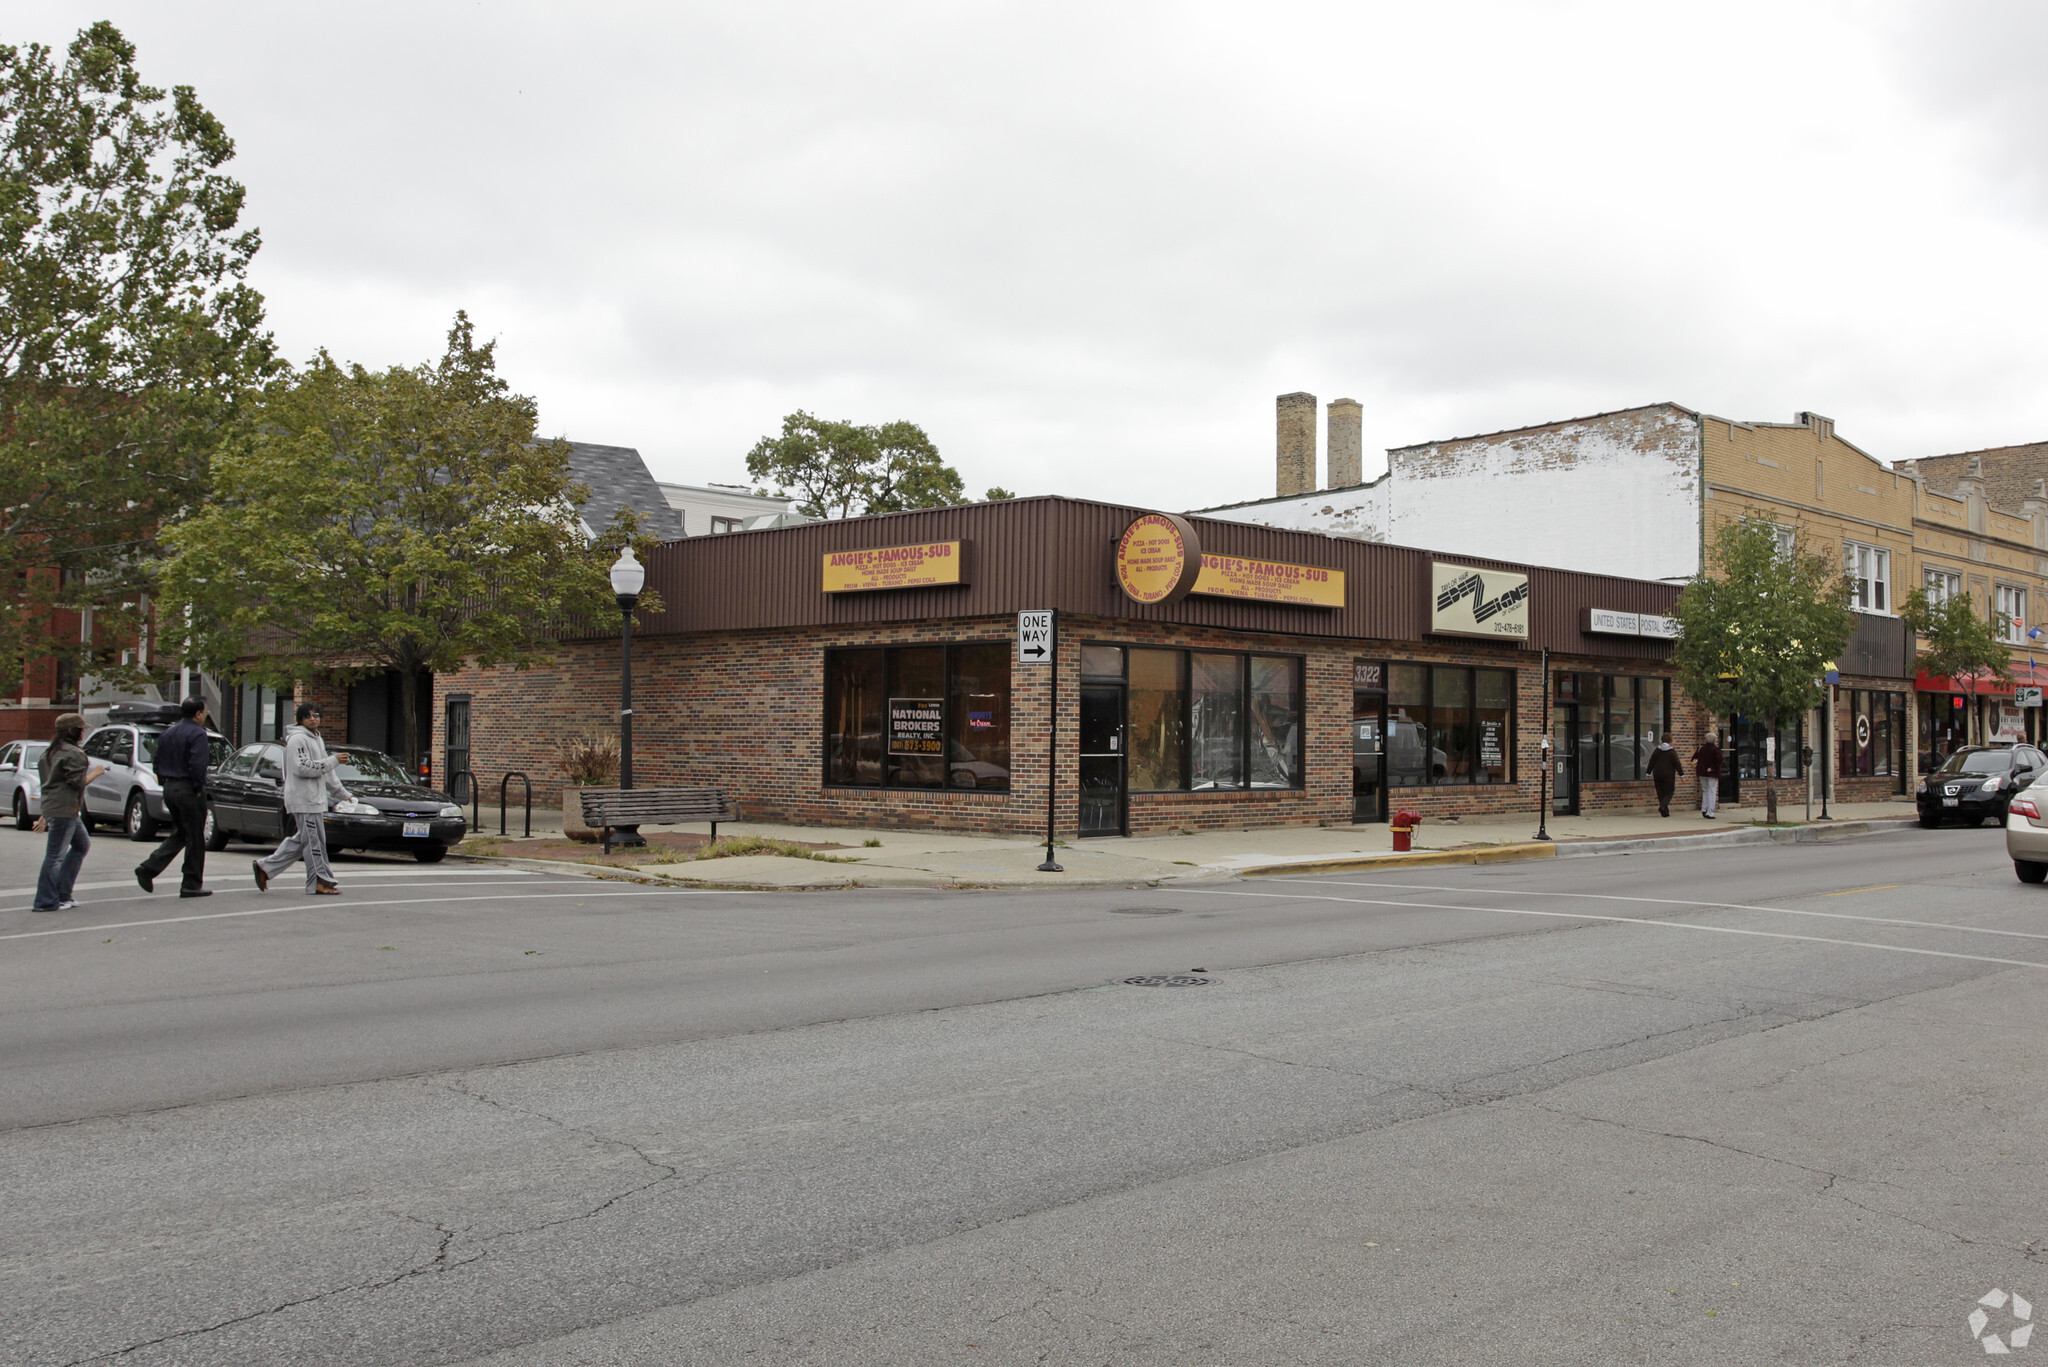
(1158, 559)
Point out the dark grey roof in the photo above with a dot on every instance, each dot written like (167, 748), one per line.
(618, 478)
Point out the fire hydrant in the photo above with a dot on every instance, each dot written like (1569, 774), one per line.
(1404, 825)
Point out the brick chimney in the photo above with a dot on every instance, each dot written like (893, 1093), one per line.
(1297, 444)
(1347, 443)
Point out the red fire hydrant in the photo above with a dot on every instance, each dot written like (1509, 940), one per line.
(1404, 825)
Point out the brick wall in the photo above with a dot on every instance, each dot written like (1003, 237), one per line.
(744, 711)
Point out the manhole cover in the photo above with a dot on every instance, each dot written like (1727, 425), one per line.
(1144, 911)
(1165, 980)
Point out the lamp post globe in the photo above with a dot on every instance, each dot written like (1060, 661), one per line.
(628, 577)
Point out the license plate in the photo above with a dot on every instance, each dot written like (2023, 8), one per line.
(425, 829)
(1946, 802)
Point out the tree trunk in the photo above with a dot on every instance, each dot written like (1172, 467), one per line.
(409, 709)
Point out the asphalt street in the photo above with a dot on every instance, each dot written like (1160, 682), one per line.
(1756, 1104)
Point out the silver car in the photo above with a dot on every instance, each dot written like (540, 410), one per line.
(21, 790)
(128, 793)
(2026, 832)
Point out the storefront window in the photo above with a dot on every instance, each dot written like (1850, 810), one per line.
(1275, 722)
(1158, 710)
(918, 717)
(1944, 728)
(1864, 738)
(1215, 722)
(978, 718)
(1207, 720)
(1753, 749)
(1449, 724)
(1630, 715)
(1618, 729)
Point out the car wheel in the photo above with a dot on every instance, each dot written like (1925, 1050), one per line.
(2029, 871)
(216, 838)
(22, 820)
(430, 854)
(140, 824)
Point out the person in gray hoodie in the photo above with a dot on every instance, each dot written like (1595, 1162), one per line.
(310, 788)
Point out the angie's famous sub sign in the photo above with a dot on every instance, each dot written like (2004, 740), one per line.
(1465, 601)
(1158, 560)
(896, 567)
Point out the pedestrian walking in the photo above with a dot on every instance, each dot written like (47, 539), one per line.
(64, 771)
(182, 756)
(310, 787)
(1664, 771)
(1706, 762)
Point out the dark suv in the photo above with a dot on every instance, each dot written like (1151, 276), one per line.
(1976, 782)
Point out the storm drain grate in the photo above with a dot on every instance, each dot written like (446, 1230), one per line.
(1144, 911)
(1165, 980)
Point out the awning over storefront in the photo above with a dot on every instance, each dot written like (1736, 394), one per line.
(1981, 685)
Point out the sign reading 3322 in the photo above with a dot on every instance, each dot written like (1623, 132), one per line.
(1468, 601)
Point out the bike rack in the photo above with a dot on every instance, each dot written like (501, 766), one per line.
(525, 783)
(476, 796)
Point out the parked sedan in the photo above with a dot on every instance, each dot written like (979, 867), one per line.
(390, 811)
(2026, 833)
(1977, 782)
(21, 789)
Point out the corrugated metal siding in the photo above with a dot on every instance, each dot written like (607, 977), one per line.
(1057, 553)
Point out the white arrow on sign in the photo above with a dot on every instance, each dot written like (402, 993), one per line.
(1034, 637)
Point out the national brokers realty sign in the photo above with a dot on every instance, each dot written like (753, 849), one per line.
(1465, 601)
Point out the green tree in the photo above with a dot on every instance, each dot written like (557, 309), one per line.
(127, 336)
(403, 519)
(997, 495)
(842, 469)
(1760, 628)
(1954, 640)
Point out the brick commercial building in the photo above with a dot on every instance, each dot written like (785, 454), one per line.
(1209, 674)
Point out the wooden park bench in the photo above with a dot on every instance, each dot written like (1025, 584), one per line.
(609, 808)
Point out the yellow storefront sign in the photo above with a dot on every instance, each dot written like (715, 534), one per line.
(895, 567)
(1269, 581)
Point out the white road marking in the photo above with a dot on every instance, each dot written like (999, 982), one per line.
(1629, 921)
(323, 904)
(1679, 902)
(170, 875)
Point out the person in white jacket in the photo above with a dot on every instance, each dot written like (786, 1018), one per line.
(310, 788)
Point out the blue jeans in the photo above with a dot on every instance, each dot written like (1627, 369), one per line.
(62, 857)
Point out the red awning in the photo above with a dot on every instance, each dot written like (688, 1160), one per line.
(1980, 685)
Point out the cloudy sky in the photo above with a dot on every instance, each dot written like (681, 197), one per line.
(1085, 245)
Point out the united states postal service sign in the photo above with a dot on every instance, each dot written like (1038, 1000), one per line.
(1468, 601)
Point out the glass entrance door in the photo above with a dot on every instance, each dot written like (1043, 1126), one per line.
(1368, 757)
(1102, 760)
(1564, 759)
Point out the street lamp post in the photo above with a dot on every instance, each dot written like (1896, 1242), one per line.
(628, 576)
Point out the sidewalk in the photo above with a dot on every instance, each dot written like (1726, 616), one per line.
(926, 859)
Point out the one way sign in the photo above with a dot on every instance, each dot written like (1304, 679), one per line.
(1034, 637)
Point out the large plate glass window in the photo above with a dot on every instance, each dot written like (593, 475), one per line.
(1632, 714)
(1449, 724)
(918, 717)
(1204, 720)
(1870, 576)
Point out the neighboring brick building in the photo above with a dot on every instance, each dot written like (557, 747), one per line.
(1642, 491)
(1219, 710)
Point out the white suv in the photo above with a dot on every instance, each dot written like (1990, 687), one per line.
(128, 793)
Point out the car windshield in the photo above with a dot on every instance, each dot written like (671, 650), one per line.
(371, 766)
(1978, 762)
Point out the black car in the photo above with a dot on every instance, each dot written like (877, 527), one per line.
(1976, 782)
(390, 812)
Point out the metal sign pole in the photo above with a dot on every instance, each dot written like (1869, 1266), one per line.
(1543, 754)
(1052, 750)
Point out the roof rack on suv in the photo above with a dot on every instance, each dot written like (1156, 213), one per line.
(143, 713)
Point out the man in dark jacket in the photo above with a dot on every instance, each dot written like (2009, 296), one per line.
(64, 770)
(182, 756)
(1664, 772)
(1706, 762)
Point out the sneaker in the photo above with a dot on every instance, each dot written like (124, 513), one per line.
(147, 879)
(46, 908)
(197, 892)
(262, 878)
(67, 905)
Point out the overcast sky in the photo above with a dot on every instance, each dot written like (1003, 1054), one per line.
(1085, 245)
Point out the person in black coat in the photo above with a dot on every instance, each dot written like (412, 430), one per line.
(1664, 772)
(182, 756)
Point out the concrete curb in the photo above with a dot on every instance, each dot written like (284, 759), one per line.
(901, 881)
(1577, 849)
